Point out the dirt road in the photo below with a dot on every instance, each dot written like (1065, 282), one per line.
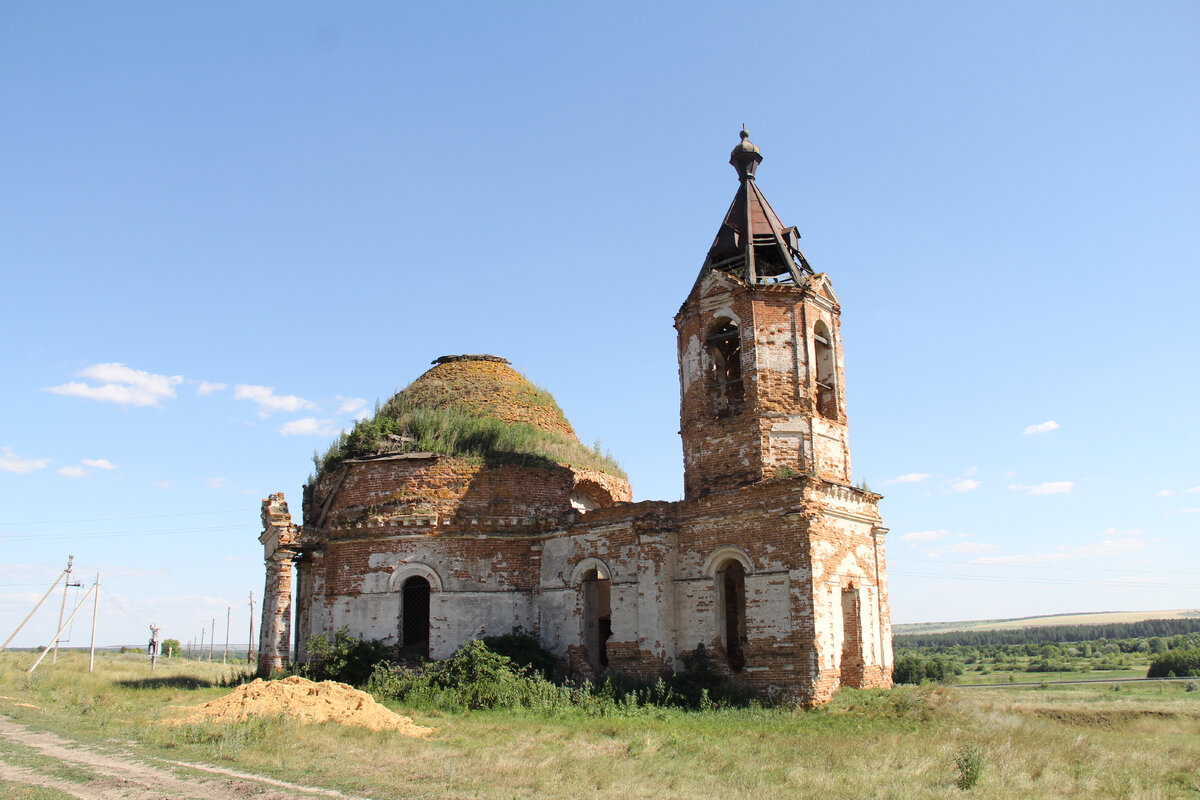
(91, 772)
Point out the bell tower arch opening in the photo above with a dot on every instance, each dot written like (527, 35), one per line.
(826, 372)
(724, 347)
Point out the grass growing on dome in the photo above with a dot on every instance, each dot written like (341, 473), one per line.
(404, 426)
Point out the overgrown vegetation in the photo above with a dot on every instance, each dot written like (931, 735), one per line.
(405, 425)
(478, 677)
(346, 659)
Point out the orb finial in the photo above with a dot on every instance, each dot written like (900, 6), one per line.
(745, 156)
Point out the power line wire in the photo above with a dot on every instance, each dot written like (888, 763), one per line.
(123, 611)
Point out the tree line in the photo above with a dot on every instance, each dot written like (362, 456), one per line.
(1156, 628)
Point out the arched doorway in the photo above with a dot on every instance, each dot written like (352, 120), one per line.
(731, 605)
(597, 618)
(414, 618)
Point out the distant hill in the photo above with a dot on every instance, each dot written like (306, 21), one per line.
(1084, 618)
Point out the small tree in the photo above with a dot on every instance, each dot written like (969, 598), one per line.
(171, 647)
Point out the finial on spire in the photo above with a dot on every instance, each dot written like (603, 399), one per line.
(745, 156)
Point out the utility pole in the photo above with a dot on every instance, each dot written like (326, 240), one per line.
(201, 654)
(250, 644)
(212, 639)
(63, 607)
(228, 615)
(95, 608)
(153, 648)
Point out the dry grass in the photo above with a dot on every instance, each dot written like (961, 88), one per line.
(1088, 742)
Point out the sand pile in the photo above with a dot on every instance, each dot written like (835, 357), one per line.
(305, 701)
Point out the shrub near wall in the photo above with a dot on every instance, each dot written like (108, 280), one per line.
(1175, 664)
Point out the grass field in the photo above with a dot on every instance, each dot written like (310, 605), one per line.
(910, 742)
(1095, 618)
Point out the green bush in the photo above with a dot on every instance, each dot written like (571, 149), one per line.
(346, 659)
(524, 650)
(478, 677)
(912, 668)
(473, 678)
(1184, 663)
(968, 762)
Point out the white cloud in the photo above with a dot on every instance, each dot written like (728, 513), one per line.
(924, 536)
(85, 466)
(1043, 427)
(1164, 493)
(364, 414)
(1050, 487)
(1193, 490)
(1102, 549)
(309, 426)
(1189, 511)
(205, 388)
(164, 484)
(268, 402)
(911, 477)
(350, 405)
(965, 485)
(11, 462)
(216, 483)
(117, 383)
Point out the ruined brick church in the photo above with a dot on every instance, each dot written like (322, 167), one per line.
(773, 560)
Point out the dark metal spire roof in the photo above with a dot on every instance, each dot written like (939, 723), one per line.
(752, 243)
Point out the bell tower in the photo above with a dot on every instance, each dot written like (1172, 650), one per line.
(760, 354)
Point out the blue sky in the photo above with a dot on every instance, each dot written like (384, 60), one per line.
(225, 230)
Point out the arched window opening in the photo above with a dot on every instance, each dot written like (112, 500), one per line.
(731, 603)
(597, 618)
(725, 388)
(826, 374)
(414, 618)
(852, 641)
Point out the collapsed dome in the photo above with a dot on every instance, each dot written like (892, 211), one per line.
(486, 386)
(474, 406)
